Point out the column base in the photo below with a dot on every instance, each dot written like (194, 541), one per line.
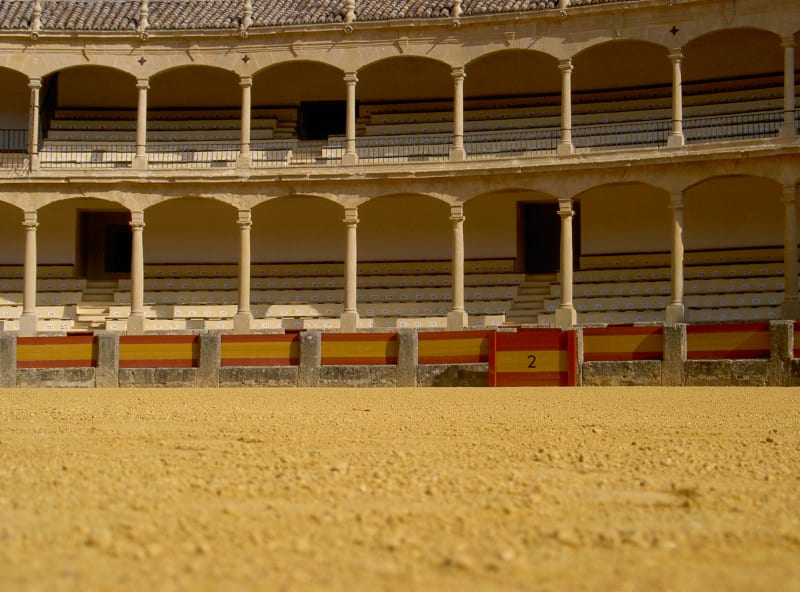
(244, 161)
(27, 325)
(565, 149)
(788, 130)
(790, 309)
(139, 163)
(34, 164)
(242, 322)
(136, 324)
(348, 322)
(349, 159)
(458, 154)
(675, 314)
(676, 141)
(566, 317)
(457, 320)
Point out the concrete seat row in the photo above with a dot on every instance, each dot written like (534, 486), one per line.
(609, 303)
(65, 284)
(691, 258)
(43, 298)
(691, 286)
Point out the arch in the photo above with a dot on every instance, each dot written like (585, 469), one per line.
(732, 53)
(282, 228)
(14, 105)
(405, 78)
(511, 72)
(733, 211)
(621, 64)
(191, 230)
(404, 227)
(12, 235)
(90, 86)
(181, 87)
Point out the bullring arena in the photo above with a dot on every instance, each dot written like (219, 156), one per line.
(216, 214)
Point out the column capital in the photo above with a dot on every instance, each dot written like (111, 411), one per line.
(565, 208)
(246, 81)
(676, 201)
(350, 77)
(34, 82)
(789, 193)
(457, 213)
(30, 219)
(565, 65)
(245, 218)
(137, 220)
(351, 216)
(787, 41)
(459, 72)
(143, 83)
(675, 55)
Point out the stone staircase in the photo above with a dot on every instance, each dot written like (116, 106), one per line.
(530, 299)
(93, 309)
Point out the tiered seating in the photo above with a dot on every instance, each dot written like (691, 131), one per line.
(57, 297)
(311, 295)
(743, 284)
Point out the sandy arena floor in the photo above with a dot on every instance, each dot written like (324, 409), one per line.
(446, 489)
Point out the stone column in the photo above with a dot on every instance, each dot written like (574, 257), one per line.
(27, 322)
(136, 318)
(676, 311)
(457, 317)
(350, 155)
(242, 322)
(566, 147)
(566, 316)
(35, 84)
(676, 138)
(791, 304)
(244, 160)
(789, 127)
(457, 152)
(349, 318)
(140, 160)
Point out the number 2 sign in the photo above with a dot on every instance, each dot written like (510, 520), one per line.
(541, 357)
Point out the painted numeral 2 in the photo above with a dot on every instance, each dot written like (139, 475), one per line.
(531, 361)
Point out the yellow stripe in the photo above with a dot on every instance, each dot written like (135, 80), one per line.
(728, 340)
(519, 361)
(364, 349)
(453, 347)
(263, 349)
(46, 353)
(622, 343)
(155, 351)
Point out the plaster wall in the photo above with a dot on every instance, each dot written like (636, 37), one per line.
(405, 78)
(101, 88)
(490, 229)
(15, 100)
(12, 235)
(288, 84)
(194, 87)
(514, 72)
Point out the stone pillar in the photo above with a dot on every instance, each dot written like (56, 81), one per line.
(566, 317)
(244, 160)
(457, 317)
(349, 318)
(676, 311)
(27, 322)
(566, 147)
(789, 127)
(791, 303)
(674, 362)
(136, 318)
(140, 160)
(350, 154)
(8, 360)
(457, 152)
(676, 138)
(242, 322)
(310, 358)
(107, 372)
(35, 84)
(781, 342)
(407, 357)
(210, 359)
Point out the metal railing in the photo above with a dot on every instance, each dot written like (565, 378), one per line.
(70, 156)
(739, 126)
(294, 152)
(193, 156)
(13, 140)
(621, 135)
(419, 148)
(512, 143)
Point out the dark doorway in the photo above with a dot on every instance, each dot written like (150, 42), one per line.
(320, 119)
(105, 244)
(540, 237)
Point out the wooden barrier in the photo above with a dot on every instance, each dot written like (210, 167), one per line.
(728, 342)
(260, 350)
(159, 351)
(541, 357)
(796, 349)
(611, 344)
(359, 349)
(57, 352)
(457, 347)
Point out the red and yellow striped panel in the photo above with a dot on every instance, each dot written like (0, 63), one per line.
(727, 342)
(796, 353)
(359, 349)
(545, 357)
(260, 350)
(159, 351)
(607, 344)
(57, 352)
(457, 347)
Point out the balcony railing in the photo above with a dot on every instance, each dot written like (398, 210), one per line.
(71, 156)
(621, 135)
(192, 156)
(738, 126)
(293, 152)
(420, 148)
(512, 143)
(13, 148)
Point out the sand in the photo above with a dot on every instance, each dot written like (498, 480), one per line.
(380, 489)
